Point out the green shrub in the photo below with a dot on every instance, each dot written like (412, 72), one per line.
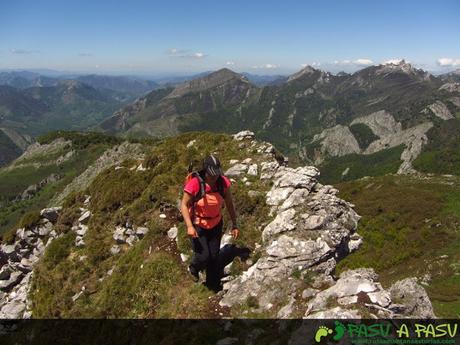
(29, 220)
(80, 140)
(363, 134)
(58, 250)
(442, 153)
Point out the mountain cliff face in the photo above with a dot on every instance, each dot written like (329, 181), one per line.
(313, 115)
(12, 144)
(113, 244)
(162, 112)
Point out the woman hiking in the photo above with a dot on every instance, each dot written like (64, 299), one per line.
(205, 194)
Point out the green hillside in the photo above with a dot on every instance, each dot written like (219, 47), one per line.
(410, 228)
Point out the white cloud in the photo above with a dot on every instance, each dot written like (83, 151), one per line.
(185, 53)
(313, 64)
(175, 51)
(197, 55)
(266, 66)
(448, 62)
(363, 62)
(21, 51)
(342, 62)
(393, 61)
(357, 62)
(230, 63)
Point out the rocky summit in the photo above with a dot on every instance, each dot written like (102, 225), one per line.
(297, 229)
(313, 230)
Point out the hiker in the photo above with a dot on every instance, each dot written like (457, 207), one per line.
(205, 193)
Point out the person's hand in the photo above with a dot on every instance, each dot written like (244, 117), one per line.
(235, 233)
(191, 231)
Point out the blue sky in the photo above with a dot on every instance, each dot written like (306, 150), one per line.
(261, 37)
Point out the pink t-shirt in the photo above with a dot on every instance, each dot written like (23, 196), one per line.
(193, 186)
(208, 209)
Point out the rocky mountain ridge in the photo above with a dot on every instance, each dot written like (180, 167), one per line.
(307, 114)
(307, 231)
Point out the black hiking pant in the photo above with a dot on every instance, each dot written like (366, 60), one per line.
(206, 254)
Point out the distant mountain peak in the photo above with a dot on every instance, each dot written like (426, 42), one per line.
(402, 66)
(307, 70)
(214, 79)
(397, 66)
(343, 74)
(222, 75)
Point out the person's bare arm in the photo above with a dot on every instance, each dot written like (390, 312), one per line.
(186, 201)
(231, 212)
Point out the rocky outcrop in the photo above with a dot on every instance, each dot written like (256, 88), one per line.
(382, 123)
(450, 87)
(311, 231)
(37, 149)
(127, 234)
(414, 138)
(337, 141)
(360, 287)
(440, 110)
(455, 101)
(33, 189)
(17, 261)
(20, 140)
(412, 299)
(109, 158)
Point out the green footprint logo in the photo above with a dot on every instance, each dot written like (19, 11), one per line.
(339, 331)
(322, 332)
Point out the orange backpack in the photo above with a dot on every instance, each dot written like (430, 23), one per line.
(200, 175)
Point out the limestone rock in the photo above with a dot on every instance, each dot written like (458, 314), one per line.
(382, 123)
(115, 249)
(283, 222)
(236, 170)
(277, 195)
(172, 233)
(51, 213)
(119, 235)
(414, 297)
(141, 231)
(14, 279)
(253, 170)
(268, 170)
(337, 141)
(440, 110)
(243, 135)
(84, 217)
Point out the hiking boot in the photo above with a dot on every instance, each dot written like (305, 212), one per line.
(213, 287)
(194, 273)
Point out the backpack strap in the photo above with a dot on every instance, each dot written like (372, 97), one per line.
(202, 183)
(201, 193)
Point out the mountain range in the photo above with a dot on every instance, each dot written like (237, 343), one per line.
(32, 104)
(385, 113)
(391, 113)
